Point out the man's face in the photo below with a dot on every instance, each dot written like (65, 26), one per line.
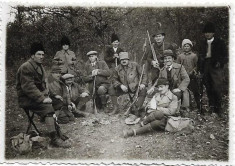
(124, 62)
(187, 47)
(65, 47)
(159, 38)
(163, 89)
(56, 75)
(168, 60)
(69, 81)
(209, 35)
(38, 56)
(93, 58)
(115, 43)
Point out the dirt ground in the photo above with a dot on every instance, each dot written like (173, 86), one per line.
(103, 138)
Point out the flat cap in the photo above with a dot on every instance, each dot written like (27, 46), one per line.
(66, 76)
(92, 53)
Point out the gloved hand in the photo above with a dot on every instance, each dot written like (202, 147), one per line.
(84, 94)
(47, 100)
(59, 97)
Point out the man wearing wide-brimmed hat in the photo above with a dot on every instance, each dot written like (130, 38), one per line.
(97, 73)
(213, 56)
(126, 79)
(163, 104)
(152, 67)
(177, 76)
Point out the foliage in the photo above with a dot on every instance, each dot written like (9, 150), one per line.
(91, 28)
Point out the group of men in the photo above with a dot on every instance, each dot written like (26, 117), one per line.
(165, 79)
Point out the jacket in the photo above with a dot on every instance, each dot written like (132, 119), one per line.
(64, 58)
(101, 78)
(109, 58)
(31, 84)
(189, 61)
(129, 78)
(180, 78)
(159, 53)
(167, 103)
(219, 53)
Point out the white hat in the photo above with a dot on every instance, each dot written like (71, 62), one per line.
(66, 76)
(92, 53)
(187, 41)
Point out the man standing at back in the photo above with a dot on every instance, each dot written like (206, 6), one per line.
(33, 93)
(152, 66)
(212, 57)
(111, 56)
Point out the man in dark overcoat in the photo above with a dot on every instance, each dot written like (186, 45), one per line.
(212, 57)
(33, 93)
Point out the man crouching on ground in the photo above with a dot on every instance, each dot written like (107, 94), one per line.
(33, 94)
(163, 104)
(125, 81)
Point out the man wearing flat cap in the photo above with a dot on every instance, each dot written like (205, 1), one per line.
(72, 98)
(212, 57)
(125, 80)
(159, 45)
(111, 56)
(177, 76)
(98, 71)
(163, 104)
(33, 93)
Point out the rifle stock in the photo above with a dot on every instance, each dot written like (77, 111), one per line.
(136, 94)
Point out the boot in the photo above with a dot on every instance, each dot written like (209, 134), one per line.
(77, 113)
(128, 133)
(115, 108)
(57, 142)
(145, 129)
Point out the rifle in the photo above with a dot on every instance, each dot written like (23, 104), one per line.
(93, 97)
(136, 94)
(152, 49)
(144, 49)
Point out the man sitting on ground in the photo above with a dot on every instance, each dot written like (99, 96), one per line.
(163, 104)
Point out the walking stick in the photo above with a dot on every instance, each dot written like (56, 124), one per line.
(93, 97)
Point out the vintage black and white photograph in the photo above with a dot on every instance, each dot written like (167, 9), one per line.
(117, 83)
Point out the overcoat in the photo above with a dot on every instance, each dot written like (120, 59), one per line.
(31, 84)
(101, 78)
(129, 77)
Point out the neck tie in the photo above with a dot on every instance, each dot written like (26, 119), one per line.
(168, 71)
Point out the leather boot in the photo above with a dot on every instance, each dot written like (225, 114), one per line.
(145, 129)
(128, 133)
(115, 107)
(58, 142)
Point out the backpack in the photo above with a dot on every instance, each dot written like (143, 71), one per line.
(175, 124)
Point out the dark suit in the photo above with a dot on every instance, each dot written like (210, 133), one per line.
(109, 56)
(212, 69)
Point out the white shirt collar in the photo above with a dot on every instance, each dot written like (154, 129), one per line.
(211, 40)
(169, 67)
(115, 49)
(93, 64)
